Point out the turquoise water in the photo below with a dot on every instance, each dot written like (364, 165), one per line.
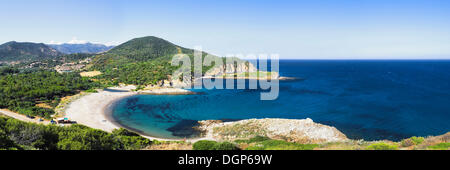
(364, 99)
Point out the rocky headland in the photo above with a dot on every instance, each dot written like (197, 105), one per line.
(292, 130)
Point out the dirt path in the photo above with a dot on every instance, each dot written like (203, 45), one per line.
(22, 117)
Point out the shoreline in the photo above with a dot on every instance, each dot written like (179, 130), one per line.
(89, 109)
(95, 110)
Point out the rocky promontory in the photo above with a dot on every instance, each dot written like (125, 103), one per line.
(292, 130)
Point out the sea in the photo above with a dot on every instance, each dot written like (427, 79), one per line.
(364, 99)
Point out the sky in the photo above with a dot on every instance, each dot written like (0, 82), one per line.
(302, 29)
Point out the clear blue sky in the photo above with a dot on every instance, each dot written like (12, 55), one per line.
(320, 29)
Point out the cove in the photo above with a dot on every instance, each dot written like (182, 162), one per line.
(369, 100)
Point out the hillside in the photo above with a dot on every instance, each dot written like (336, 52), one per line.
(81, 48)
(141, 61)
(25, 51)
(140, 50)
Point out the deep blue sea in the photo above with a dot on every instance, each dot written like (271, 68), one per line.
(369, 100)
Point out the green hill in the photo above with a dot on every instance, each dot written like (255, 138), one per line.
(140, 61)
(18, 51)
(140, 50)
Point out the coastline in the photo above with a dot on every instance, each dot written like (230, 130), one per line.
(89, 110)
(95, 110)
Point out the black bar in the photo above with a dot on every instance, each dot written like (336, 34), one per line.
(170, 159)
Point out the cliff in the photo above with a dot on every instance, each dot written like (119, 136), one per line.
(241, 67)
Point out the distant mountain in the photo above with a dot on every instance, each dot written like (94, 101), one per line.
(25, 51)
(81, 48)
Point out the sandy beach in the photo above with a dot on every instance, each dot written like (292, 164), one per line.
(89, 110)
(92, 110)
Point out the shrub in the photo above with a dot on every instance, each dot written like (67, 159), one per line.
(75, 137)
(382, 146)
(440, 146)
(225, 146)
(407, 142)
(281, 145)
(204, 145)
(124, 132)
(253, 140)
(5, 142)
(93, 90)
(417, 140)
(213, 145)
(133, 142)
(412, 141)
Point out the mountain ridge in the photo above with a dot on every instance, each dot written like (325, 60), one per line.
(26, 51)
(90, 48)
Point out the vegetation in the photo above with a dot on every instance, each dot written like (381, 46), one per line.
(412, 141)
(204, 145)
(382, 146)
(142, 61)
(8, 70)
(6, 143)
(51, 63)
(16, 51)
(253, 140)
(169, 145)
(272, 144)
(15, 134)
(213, 145)
(440, 146)
(241, 130)
(142, 73)
(18, 135)
(21, 92)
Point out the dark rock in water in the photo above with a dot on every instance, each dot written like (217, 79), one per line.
(185, 128)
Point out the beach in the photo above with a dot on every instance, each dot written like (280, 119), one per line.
(93, 110)
(89, 110)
